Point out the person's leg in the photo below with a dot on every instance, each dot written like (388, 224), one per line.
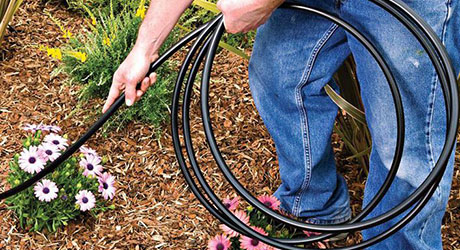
(424, 113)
(287, 73)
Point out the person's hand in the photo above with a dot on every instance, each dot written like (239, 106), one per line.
(128, 75)
(245, 15)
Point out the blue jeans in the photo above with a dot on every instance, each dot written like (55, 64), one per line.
(296, 54)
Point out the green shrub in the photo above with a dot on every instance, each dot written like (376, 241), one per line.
(106, 45)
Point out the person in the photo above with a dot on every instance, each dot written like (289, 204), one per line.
(295, 54)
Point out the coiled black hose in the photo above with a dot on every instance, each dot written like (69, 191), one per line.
(204, 48)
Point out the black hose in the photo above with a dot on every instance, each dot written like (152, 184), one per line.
(205, 46)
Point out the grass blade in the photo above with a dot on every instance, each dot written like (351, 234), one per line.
(354, 112)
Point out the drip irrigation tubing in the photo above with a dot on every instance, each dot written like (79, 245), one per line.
(203, 51)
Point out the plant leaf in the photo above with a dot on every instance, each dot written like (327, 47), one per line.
(234, 50)
(357, 114)
(360, 154)
(207, 5)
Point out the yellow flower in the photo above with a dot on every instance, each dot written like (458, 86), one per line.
(67, 34)
(54, 53)
(141, 12)
(91, 15)
(78, 55)
(141, 9)
(107, 41)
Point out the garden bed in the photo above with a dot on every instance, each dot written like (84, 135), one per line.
(154, 208)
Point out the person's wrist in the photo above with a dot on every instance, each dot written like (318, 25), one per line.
(270, 4)
(145, 51)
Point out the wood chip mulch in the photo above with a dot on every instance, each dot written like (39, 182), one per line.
(154, 208)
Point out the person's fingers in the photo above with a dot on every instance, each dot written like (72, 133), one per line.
(145, 84)
(153, 78)
(130, 93)
(113, 95)
(139, 94)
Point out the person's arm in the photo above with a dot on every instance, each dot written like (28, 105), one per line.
(239, 16)
(160, 19)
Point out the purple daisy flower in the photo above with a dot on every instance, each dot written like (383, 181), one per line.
(51, 128)
(106, 185)
(48, 152)
(32, 127)
(85, 199)
(58, 141)
(31, 161)
(88, 151)
(92, 165)
(46, 190)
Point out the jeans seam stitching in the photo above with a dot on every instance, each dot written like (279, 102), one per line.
(303, 115)
(431, 113)
(334, 221)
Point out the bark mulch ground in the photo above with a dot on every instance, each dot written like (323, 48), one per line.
(154, 208)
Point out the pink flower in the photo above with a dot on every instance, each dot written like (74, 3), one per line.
(88, 151)
(91, 165)
(48, 152)
(58, 141)
(106, 185)
(321, 245)
(242, 216)
(253, 244)
(270, 201)
(85, 199)
(31, 161)
(45, 190)
(310, 234)
(231, 205)
(220, 242)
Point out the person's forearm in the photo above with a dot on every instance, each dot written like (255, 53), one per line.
(160, 19)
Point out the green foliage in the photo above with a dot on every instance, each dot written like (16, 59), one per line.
(97, 7)
(35, 215)
(106, 46)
